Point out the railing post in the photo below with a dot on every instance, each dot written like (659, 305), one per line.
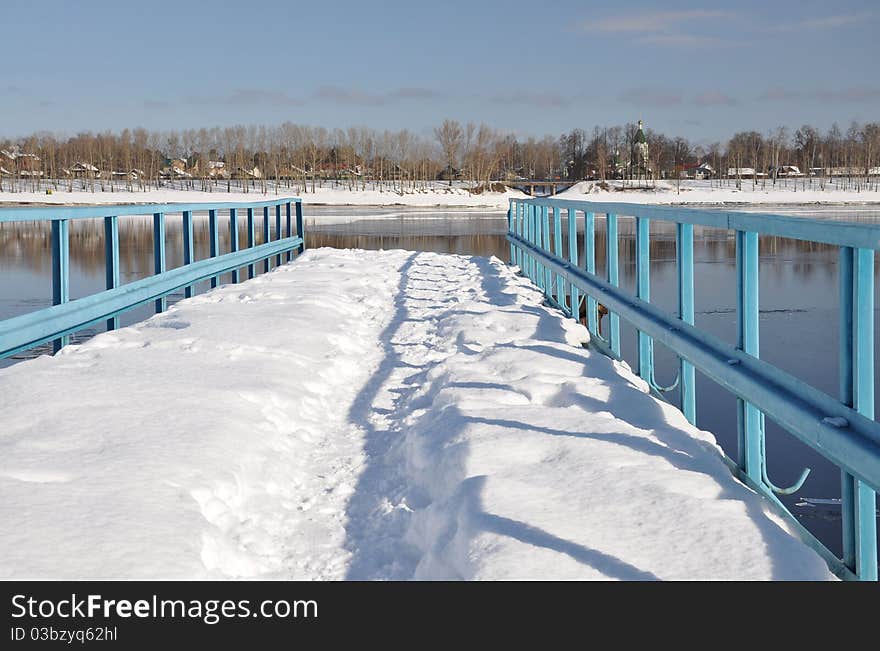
(846, 379)
(575, 301)
(545, 244)
(288, 228)
(214, 236)
(513, 210)
(510, 229)
(859, 502)
(557, 250)
(590, 262)
(530, 237)
(614, 279)
(521, 231)
(251, 241)
(278, 231)
(60, 271)
(539, 242)
(517, 231)
(111, 261)
(267, 235)
(531, 232)
(684, 244)
(749, 418)
(233, 239)
(527, 235)
(189, 251)
(299, 226)
(159, 253)
(643, 292)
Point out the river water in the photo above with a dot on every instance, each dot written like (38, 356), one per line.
(798, 288)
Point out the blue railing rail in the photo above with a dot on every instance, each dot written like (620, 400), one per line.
(841, 429)
(67, 316)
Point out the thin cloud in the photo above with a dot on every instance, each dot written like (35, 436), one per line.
(258, 96)
(828, 22)
(851, 95)
(238, 97)
(684, 40)
(533, 99)
(154, 104)
(413, 93)
(339, 95)
(662, 21)
(714, 98)
(356, 97)
(651, 96)
(664, 28)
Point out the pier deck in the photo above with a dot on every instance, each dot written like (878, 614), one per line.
(366, 415)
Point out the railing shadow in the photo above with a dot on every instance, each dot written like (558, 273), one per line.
(380, 530)
(370, 537)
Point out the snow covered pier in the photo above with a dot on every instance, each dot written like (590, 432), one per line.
(363, 415)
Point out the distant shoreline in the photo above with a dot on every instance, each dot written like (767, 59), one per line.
(475, 208)
(696, 194)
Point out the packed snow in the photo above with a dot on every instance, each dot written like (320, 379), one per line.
(366, 415)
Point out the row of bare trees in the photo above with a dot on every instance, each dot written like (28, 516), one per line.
(303, 157)
(850, 158)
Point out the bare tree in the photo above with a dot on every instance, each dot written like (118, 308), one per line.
(450, 136)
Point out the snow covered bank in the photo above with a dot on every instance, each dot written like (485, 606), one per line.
(437, 196)
(442, 196)
(362, 415)
(704, 192)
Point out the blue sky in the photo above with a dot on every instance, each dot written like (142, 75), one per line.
(699, 69)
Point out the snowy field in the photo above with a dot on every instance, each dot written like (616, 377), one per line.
(438, 196)
(442, 196)
(366, 415)
(708, 193)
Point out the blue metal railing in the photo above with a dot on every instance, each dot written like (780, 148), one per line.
(65, 317)
(841, 429)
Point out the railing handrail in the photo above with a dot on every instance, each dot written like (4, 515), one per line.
(842, 429)
(807, 412)
(92, 211)
(34, 328)
(67, 316)
(838, 233)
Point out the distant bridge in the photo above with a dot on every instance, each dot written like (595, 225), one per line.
(537, 188)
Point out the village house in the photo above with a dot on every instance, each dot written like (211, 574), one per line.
(217, 170)
(744, 173)
(450, 173)
(81, 170)
(174, 168)
(132, 174)
(174, 173)
(15, 162)
(698, 171)
(784, 171)
(245, 173)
